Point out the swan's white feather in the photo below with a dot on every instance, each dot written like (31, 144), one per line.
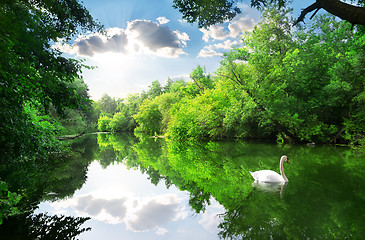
(267, 176)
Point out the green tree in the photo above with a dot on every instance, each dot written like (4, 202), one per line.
(119, 123)
(149, 117)
(167, 86)
(107, 105)
(34, 74)
(80, 119)
(154, 115)
(305, 98)
(201, 79)
(155, 89)
(198, 117)
(207, 13)
(103, 123)
(8, 201)
(177, 86)
(165, 102)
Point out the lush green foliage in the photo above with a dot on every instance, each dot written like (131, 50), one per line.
(146, 112)
(116, 115)
(8, 201)
(299, 85)
(206, 14)
(52, 179)
(298, 80)
(31, 72)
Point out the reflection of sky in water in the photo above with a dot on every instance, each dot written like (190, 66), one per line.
(123, 204)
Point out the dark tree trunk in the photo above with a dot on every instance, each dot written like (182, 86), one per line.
(348, 12)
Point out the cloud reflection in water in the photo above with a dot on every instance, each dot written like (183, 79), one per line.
(139, 215)
(133, 207)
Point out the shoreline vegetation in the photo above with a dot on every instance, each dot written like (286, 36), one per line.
(299, 85)
(70, 137)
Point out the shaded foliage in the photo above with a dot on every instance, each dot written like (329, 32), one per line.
(30, 182)
(30, 70)
(208, 13)
(37, 84)
(43, 227)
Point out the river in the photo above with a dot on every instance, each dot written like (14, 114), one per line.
(123, 187)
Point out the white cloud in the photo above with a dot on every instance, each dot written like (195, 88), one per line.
(210, 50)
(162, 20)
(184, 37)
(241, 23)
(156, 38)
(161, 231)
(216, 32)
(228, 44)
(139, 37)
(185, 76)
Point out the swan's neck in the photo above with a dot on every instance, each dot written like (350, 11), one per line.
(282, 170)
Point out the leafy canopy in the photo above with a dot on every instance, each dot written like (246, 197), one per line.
(207, 13)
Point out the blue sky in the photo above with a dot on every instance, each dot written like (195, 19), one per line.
(147, 41)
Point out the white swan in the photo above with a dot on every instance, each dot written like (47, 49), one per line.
(271, 176)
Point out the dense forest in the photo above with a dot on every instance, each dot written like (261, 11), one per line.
(301, 85)
(292, 84)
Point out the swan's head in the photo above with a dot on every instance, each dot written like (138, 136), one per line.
(285, 159)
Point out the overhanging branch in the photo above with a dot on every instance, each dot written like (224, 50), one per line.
(314, 6)
(345, 11)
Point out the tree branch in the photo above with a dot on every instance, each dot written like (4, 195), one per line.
(348, 12)
(196, 82)
(314, 6)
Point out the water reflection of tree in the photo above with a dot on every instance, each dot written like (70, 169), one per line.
(50, 179)
(325, 197)
(151, 158)
(319, 203)
(42, 227)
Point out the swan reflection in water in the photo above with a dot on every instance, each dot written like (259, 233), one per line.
(270, 187)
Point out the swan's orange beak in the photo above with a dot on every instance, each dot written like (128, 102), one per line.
(287, 160)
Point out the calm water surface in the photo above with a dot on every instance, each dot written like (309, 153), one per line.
(156, 189)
